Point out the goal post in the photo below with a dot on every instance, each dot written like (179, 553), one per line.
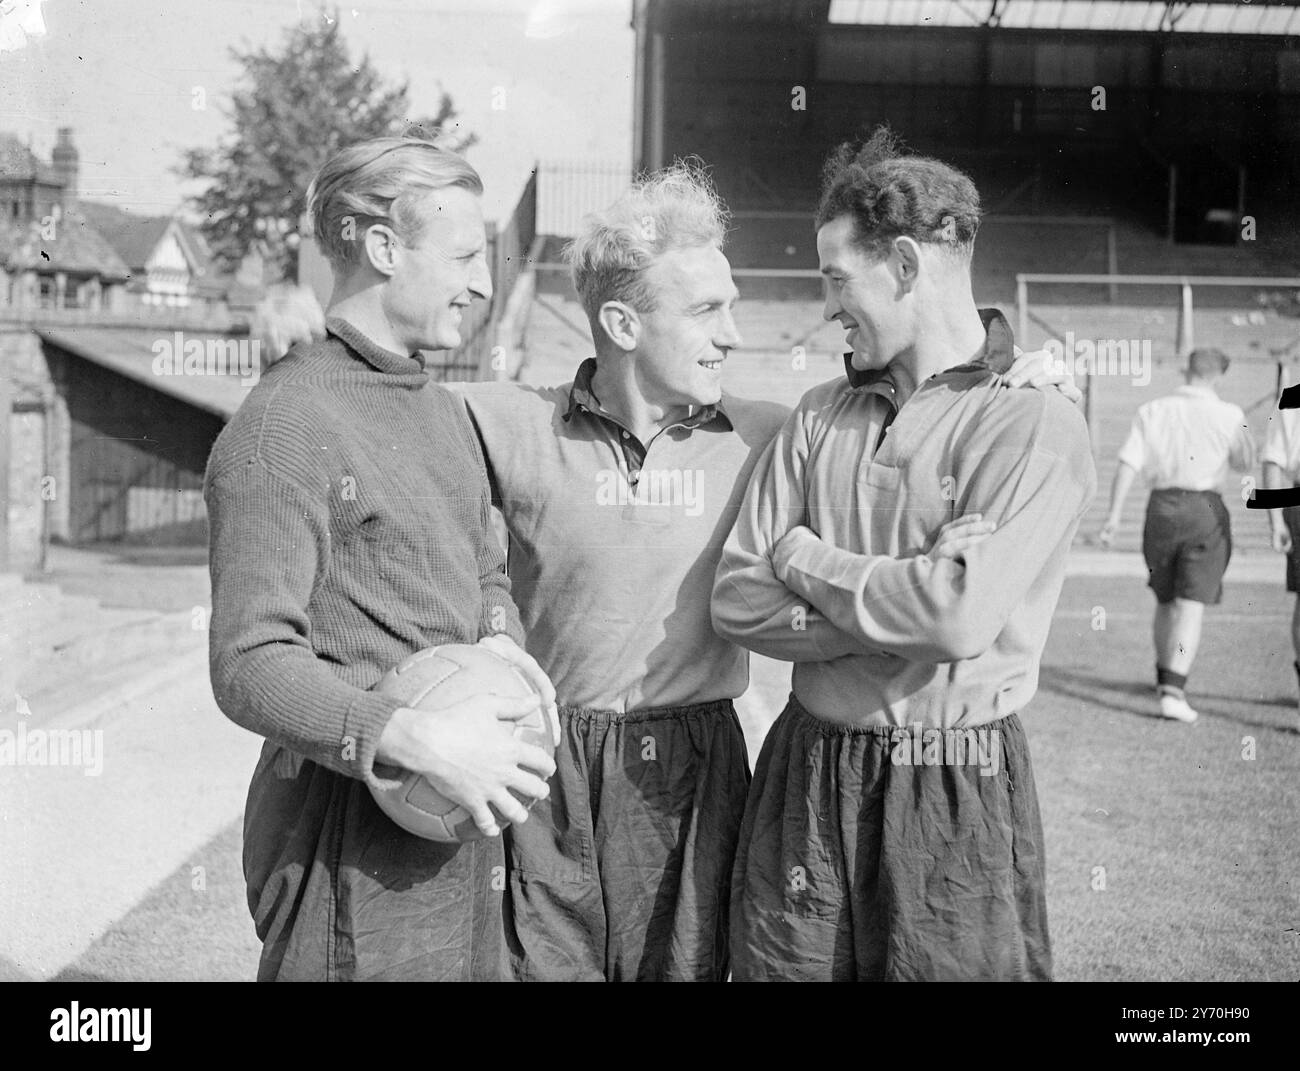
(1253, 319)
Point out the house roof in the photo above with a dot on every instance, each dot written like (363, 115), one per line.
(17, 161)
(95, 238)
(135, 237)
(129, 351)
(132, 237)
(77, 247)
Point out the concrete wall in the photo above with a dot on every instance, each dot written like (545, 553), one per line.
(36, 447)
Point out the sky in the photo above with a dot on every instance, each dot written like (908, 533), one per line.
(124, 73)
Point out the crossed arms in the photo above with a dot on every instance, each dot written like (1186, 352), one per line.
(923, 607)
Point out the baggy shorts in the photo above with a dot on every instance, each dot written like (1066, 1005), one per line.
(854, 866)
(624, 872)
(1186, 542)
(339, 892)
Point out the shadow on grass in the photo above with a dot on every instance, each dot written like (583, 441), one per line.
(81, 976)
(1138, 700)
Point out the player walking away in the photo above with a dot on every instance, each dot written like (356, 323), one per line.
(1281, 462)
(892, 829)
(1183, 444)
(349, 512)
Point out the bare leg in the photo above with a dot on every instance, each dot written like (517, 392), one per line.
(1177, 633)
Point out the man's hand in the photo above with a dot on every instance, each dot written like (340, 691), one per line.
(504, 647)
(1036, 369)
(1281, 538)
(470, 757)
(957, 537)
(286, 316)
(1107, 534)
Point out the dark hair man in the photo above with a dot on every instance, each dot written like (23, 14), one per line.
(892, 828)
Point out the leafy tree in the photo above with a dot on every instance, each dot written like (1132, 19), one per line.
(293, 110)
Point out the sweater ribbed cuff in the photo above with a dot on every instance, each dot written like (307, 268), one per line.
(366, 720)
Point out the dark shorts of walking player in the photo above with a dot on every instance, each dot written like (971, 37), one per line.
(624, 872)
(1187, 541)
(853, 866)
(1291, 518)
(339, 892)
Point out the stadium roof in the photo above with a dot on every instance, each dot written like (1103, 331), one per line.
(1273, 17)
(130, 352)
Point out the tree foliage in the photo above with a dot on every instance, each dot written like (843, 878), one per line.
(293, 109)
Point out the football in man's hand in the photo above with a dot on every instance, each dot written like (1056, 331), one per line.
(433, 679)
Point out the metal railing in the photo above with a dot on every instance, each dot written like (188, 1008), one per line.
(990, 221)
(570, 189)
(1183, 282)
(1184, 332)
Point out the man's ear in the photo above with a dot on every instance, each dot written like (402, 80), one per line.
(621, 324)
(380, 247)
(907, 260)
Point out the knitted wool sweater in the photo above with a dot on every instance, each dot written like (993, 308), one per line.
(349, 515)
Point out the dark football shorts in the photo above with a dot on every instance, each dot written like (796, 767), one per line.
(624, 872)
(856, 866)
(1187, 541)
(339, 892)
(1291, 517)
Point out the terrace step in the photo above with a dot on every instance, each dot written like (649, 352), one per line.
(57, 650)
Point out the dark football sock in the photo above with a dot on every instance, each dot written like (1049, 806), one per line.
(1170, 683)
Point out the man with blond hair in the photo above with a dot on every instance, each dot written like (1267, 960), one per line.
(349, 516)
(618, 489)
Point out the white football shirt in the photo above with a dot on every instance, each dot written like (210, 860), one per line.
(1189, 439)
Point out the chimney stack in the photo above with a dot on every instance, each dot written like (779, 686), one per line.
(67, 166)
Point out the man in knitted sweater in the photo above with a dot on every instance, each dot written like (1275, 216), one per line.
(350, 527)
